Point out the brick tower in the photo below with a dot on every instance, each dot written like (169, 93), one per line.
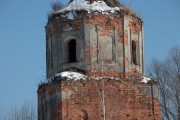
(100, 45)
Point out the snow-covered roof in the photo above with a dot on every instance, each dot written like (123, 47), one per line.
(100, 6)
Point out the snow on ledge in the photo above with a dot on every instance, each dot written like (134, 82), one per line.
(71, 75)
(146, 79)
(78, 76)
(100, 6)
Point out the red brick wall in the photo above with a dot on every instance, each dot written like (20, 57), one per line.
(81, 100)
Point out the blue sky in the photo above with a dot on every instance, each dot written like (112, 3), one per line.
(22, 42)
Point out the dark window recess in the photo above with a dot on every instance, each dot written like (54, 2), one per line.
(134, 47)
(72, 51)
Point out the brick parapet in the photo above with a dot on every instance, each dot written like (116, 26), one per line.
(82, 100)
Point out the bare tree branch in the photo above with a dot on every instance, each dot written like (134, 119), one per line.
(27, 111)
(167, 74)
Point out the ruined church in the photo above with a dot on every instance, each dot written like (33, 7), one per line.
(95, 65)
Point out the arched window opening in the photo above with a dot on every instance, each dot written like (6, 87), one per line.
(72, 51)
(134, 47)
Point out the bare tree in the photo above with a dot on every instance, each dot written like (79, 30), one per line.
(56, 6)
(167, 74)
(27, 111)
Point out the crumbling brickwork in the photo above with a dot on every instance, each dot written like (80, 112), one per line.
(125, 99)
(107, 47)
(100, 39)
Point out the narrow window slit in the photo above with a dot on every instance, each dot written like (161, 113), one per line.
(72, 51)
(134, 55)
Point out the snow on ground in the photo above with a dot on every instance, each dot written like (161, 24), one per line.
(100, 6)
(146, 79)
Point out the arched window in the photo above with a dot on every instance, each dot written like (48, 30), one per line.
(134, 47)
(72, 51)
